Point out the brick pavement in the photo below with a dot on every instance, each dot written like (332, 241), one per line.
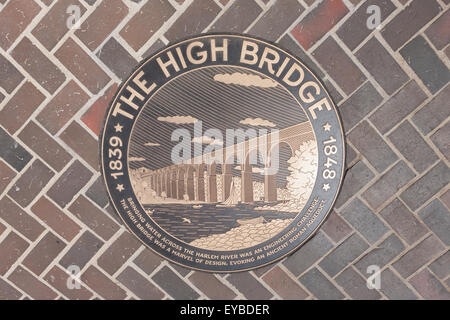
(391, 85)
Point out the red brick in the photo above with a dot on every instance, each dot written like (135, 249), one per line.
(212, 287)
(335, 227)
(8, 292)
(282, 284)
(10, 77)
(6, 175)
(38, 65)
(31, 285)
(62, 107)
(11, 248)
(74, 58)
(93, 118)
(318, 22)
(117, 58)
(20, 107)
(57, 278)
(429, 287)
(146, 22)
(56, 219)
(439, 31)
(102, 285)
(102, 22)
(15, 17)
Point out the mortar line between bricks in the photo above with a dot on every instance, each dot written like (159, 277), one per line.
(338, 287)
(293, 278)
(305, 12)
(440, 53)
(265, 285)
(223, 9)
(261, 14)
(421, 268)
(383, 297)
(261, 3)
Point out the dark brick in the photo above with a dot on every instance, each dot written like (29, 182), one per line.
(394, 288)
(31, 285)
(97, 192)
(398, 107)
(6, 176)
(343, 255)
(12, 152)
(335, 227)
(445, 198)
(308, 254)
(332, 91)
(139, 285)
(238, 17)
(174, 285)
(429, 287)
(82, 250)
(146, 22)
(418, 256)
(339, 66)
(441, 140)
(426, 64)
(45, 146)
(32, 181)
(277, 19)
(102, 285)
(116, 58)
(118, 252)
(181, 270)
(194, 19)
(318, 22)
(320, 286)
(351, 156)
(441, 267)
(58, 279)
(69, 183)
(403, 221)
(356, 286)
(354, 30)
(437, 218)
(10, 77)
(11, 248)
(427, 186)
(62, 107)
(439, 31)
(212, 287)
(156, 46)
(412, 18)
(147, 260)
(372, 146)
(43, 253)
(77, 138)
(251, 288)
(385, 70)
(8, 292)
(388, 184)
(282, 284)
(20, 107)
(358, 105)
(41, 68)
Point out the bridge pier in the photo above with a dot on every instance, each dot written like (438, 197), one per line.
(200, 170)
(168, 185)
(190, 189)
(270, 188)
(173, 184)
(247, 184)
(212, 183)
(180, 184)
(158, 184)
(226, 178)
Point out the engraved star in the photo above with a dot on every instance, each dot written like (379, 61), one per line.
(326, 186)
(120, 187)
(118, 127)
(327, 127)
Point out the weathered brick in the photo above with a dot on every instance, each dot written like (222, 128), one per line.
(439, 31)
(12, 152)
(32, 181)
(97, 192)
(343, 255)
(403, 221)
(445, 198)
(147, 260)
(31, 285)
(82, 250)
(372, 146)
(69, 183)
(212, 287)
(8, 292)
(41, 68)
(100, 23)
(249, 286)
(116, 58)
(43, 253)
(358, 105)
(429, 287)
(53, 26)
(10, 77)
(339, 66)
(74, 58)
(45, 210)
(427, 186)
(146, 22)
(437, 218)
(11, 248)
(62, 107)
(58, 279)
(318, 22)
(388, 184)
(351, 156)
(194, 19)
(426, 64)
(398, 107)
(6, 175)
(441, 140)
(335, 227)
(118, 252)
(308, 254)
(78, 139)
(237, 17)
(441, 267)
(156, 46)
(45, 146)
(418, 256)
(15, 17)
(282, 284)
(356, 286)
(102, 285)
(181, 270)
(139, 285)
(20, 107)
(277, 19)
(394, 288)
(174, 285)
(320, 286)
(354, 30)
(405, 24)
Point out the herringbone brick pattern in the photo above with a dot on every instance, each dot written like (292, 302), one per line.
(392, 88)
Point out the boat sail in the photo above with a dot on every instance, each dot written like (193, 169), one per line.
(233, 199)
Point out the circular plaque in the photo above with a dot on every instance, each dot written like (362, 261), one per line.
(222, 152)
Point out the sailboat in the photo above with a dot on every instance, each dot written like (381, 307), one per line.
(233, 199)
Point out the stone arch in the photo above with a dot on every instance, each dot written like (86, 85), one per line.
(190, 188)
(285, 152)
